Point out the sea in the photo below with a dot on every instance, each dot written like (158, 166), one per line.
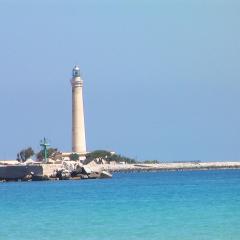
(180, 205)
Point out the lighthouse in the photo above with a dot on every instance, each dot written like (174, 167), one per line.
(78, 126)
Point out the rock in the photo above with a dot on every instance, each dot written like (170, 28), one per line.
(65, 177)
(76, 172)
(79, 169)
(54, 174)
(94, 175)
(40, 178)
(58, 174)
(76, 178)
(83, 176)
(105, 174)
(86, 170)
(62, 174)
(27, 178)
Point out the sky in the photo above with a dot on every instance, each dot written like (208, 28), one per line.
(161, 78)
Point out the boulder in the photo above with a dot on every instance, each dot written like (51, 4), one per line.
(78, 168)
(105, 174)
(77, 171)
(83, 176)
(27, 178)
(63, 174)
(86, 170)
(94, 175)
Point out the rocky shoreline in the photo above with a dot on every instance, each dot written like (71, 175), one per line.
(187, 166)
(46, 172)
(71, 170)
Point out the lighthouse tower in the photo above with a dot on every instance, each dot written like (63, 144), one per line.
(78, 126)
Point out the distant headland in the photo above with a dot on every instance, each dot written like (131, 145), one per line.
(97, 164)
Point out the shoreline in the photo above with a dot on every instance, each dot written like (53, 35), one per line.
(73, 171)
(204, 166)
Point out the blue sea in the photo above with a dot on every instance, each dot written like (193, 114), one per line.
(185, 205)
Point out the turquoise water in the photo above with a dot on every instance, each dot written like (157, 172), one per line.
(197, 205)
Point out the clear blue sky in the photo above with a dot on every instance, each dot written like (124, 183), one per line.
(161, 78)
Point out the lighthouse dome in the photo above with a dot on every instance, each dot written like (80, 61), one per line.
(76, 71)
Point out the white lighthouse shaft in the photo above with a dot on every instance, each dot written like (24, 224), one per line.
(78, 126)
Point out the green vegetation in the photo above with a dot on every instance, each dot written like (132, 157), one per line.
(50, 153)
(107, 156)
(74, 156)
(25, 154)
(99, 155)
(151, 161)
(120, 158)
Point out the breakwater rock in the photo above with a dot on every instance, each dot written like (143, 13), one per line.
(43, 172)
(166, 166)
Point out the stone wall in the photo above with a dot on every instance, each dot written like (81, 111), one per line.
(20, 171)
(48, 169)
